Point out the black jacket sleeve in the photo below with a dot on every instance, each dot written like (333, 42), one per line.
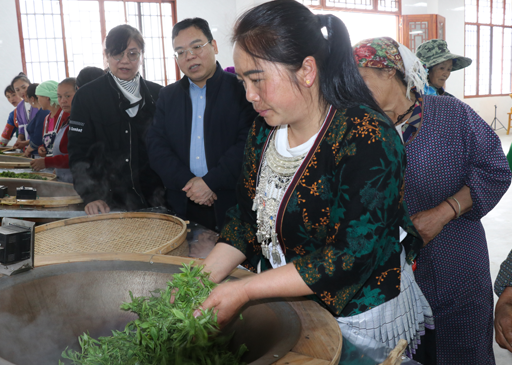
(84, 150)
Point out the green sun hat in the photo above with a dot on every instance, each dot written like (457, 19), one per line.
(435, 51)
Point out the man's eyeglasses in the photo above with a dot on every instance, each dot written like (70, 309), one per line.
(194, 50)
(132, 56)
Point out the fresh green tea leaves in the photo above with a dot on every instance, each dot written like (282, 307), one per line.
(21, 175)
(165, 333)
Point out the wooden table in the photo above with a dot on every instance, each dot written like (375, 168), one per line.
(320, 339)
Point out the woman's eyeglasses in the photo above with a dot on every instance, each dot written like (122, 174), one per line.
(132, 56)
(194, 50)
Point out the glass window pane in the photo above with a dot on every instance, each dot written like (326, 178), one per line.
(351, 4)
(497, 12)
(470, 11)
(485, 62)
(114, 14)
(497, 54)
(418, 33)
(38, 7)
(471, 52)
(388, 5)
(508, 12)
(40, 24)
(484, 11)
(507, 61)
(309, 2)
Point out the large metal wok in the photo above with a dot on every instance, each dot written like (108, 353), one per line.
(43, 311)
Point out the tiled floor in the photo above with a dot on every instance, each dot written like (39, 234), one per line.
(498, 229)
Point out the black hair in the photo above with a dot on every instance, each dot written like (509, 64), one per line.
(118, 38)
(286, 32)
(31, 91)
(20, 76)
(68, 81)
(9, 89)
(199, 23)
(88, 74)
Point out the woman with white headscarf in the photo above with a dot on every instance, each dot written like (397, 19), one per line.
(456, 173)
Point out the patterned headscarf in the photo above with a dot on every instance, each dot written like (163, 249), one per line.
(385, 52)
(48, 89)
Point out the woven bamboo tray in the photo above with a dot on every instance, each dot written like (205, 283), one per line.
(149, 233)
(12, 162)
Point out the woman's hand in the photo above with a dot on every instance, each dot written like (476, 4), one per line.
(503, 320)
(227, 300)
(20, 144)
(38, 164)
(28, 151)
(96, 207)
(429, 223)
(42, 151)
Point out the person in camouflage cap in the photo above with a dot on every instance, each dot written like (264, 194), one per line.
(440, 63)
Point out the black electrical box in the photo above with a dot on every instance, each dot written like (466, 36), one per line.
(3, 191)
(14, 244)
(26, 193)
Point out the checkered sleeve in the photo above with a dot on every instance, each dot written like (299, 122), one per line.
(504, 278)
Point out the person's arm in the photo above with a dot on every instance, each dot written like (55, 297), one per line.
(503, 319)
(430, 223)
(9, 130)
(488, 174)
(503, 312)
(228, 298)
(85, 151)
(60, 161)
(487, 178)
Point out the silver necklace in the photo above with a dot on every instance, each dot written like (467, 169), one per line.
(276, 174)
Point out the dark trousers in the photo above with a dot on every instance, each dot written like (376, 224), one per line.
(202, 214)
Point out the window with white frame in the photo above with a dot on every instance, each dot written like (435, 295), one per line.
(489, 45)
(60, 37)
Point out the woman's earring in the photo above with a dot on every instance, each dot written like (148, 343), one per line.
(308, 82)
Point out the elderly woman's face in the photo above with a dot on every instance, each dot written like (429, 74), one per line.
(377, 83)
(440, 73)
(126, 64)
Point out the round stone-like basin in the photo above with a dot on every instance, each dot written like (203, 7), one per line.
(44, 310)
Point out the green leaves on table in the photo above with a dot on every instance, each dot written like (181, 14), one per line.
(164, 333)
(21, 175)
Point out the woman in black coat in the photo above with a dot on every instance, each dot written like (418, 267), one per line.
(109, 119)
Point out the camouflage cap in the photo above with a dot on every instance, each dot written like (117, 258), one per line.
(435, 51)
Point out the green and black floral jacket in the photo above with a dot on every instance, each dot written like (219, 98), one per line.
(339, 219)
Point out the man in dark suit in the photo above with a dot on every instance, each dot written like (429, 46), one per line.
(197, 139)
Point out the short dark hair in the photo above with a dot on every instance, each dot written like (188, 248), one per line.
(88, 74)
(20, 76)
(118, 38)
(31, 90)
(199, 23)
(9, 89)
(68, 81)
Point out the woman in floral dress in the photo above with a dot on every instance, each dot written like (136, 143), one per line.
(320, 194)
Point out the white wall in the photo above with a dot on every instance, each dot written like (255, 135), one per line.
(10, 60)
(453, 11)
(221, 15)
